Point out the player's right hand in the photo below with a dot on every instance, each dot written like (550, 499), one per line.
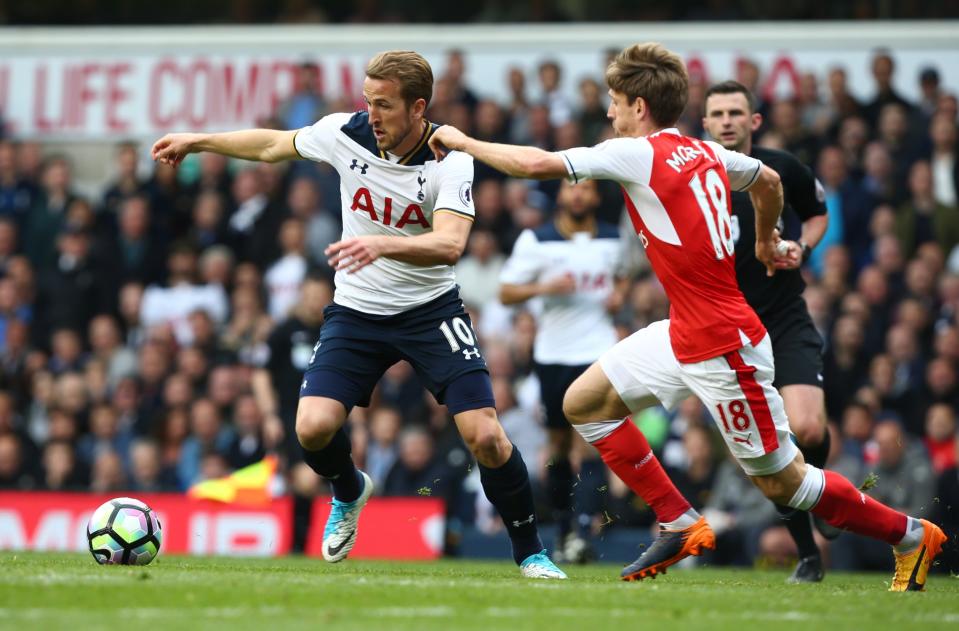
(172, 148)
(560, 285)
(766, 254)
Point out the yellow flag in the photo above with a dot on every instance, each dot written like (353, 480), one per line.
(248, 486)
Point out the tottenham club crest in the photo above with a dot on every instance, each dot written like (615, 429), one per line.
(422, 180)
(466, 194)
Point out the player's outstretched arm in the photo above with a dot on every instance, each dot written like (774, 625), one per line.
(513, 160)
(510, 294)
(443, 245)
(766, 194)
(264, 145)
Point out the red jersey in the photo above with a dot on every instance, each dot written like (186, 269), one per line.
(677, 195)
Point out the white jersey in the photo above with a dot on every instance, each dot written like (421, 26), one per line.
(388, 198)
(573, 329)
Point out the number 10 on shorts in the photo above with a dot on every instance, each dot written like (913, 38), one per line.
(465, 335)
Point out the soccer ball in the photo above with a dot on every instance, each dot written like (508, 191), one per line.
(124, 531)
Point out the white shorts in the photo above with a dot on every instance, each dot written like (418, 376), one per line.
(735, 387)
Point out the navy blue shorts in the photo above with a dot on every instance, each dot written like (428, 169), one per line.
(436, 338)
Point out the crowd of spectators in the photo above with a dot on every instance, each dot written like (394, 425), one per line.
(152, 337)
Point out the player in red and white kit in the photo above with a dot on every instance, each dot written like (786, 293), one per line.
(677, 192)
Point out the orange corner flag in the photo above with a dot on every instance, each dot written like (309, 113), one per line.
(248, 486)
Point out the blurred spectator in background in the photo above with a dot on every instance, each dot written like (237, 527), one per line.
(126, 183)
(71, 292)
(417, 470)
(147, 473)
(453, 76)
(171, 305)
(556, 102)
(208, 435)
(16, 194)
(940, 438)
(883, 68)
(139, 247)
(283, 278)
(306, 104)
(478, 272)
(922, 219)
(46, 217)
(382, 449)
(929, 92)
(945, 161)
(61, 471)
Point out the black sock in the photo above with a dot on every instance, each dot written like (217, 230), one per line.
(799, 525)
(334, 463)
(559, 480)
(508, 489)
(589, 494)
(816, 455)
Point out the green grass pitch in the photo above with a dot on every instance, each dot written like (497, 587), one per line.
(69, 591)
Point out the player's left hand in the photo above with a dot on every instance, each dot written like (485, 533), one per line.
(353, 254)
(766, 254)
(788, 255)
(445, 139)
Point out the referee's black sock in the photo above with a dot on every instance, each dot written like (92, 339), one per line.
(799, 525)
(816, 455)
(335, 463)
(559, 480)
(508, 489)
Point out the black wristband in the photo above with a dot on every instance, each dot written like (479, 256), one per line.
(806, 251)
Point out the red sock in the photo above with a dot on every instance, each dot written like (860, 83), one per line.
(844, 506)
(627, 453)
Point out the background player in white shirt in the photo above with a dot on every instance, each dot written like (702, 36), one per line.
(406, 219)
(571, 267)
(677, 191)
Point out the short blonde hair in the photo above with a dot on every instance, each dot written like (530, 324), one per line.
(654, 73)
(407, 68)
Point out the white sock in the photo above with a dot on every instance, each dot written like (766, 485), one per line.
(592, 432)
(912, 538)
(682, 522)
(810, 490)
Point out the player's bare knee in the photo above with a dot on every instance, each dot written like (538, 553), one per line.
(488, 444)
(315, 426)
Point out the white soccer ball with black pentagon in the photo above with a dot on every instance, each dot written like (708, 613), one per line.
(124, 531)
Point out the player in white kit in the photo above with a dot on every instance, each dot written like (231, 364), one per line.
(406, 219)
(571, 268)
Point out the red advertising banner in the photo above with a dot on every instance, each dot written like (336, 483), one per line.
(389, 528)
(392, 528)
(58, 521)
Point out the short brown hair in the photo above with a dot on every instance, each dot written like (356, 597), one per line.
(654, 73)
(732, 87)
(407, 68)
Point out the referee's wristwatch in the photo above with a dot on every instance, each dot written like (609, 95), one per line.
(806, 251)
